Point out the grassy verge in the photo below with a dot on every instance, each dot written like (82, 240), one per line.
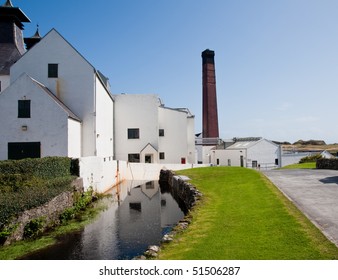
(306, 165)
(243, 216)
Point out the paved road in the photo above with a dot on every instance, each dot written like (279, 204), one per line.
(314, 192)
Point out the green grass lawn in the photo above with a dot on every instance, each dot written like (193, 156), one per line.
(306, 165)
(243, 216)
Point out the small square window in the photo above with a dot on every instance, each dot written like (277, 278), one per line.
(133, 133)
(24, 108)
(161, 132)
(53, 70)
(162, 156)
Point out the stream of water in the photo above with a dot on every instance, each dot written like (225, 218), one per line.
(138, 214)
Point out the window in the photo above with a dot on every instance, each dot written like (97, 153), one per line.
(133, 133)
(161, 132)
(24, 108)
(134, 157)
(162, 156)
(53, 70)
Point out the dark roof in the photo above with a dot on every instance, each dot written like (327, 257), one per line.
(8, 13)
(9, 54)
(31, 41)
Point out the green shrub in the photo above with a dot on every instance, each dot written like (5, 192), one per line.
(80, 204)
(313, 158)
(34, 228)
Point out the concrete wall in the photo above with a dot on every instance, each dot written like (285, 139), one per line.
(52, 133)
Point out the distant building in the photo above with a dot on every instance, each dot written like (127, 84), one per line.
(257, 153)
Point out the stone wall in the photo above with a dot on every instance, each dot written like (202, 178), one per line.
(180, 187)
(327, 163)
(48, 213)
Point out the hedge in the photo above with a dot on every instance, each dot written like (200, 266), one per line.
(44, 168)
(327, 163)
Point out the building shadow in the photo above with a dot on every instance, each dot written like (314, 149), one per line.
(330, 180)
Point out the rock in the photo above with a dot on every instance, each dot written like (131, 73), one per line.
(140, 258)
(167, 238)
(152, 251)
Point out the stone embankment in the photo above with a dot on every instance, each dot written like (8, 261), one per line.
(182, 191)
(48, 214)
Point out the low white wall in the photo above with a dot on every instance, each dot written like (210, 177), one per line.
(104, 173)
(146, 171)
(99, 173)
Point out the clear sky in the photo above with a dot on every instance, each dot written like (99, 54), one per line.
(276, 60)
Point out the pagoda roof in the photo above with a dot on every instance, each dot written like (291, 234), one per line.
(9, 13)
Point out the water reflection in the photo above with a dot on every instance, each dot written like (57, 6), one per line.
(138, 215)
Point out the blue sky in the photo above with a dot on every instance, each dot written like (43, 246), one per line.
(276, 61)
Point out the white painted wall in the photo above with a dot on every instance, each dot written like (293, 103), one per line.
(174, 143)
(192, 156)
(99, 173)
(265, 153)
(48, 123)
(74, 138)
(135, 111)
(74, 86)
(104, 126)
(4, 81)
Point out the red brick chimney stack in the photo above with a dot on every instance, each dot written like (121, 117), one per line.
(210, 117)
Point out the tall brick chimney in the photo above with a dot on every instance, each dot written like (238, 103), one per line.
(210, 117)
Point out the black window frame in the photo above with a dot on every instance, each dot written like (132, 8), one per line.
(133, 133)
(53, 70)
(161, 132)
(24, 109)
(134, 158)
(161, 155)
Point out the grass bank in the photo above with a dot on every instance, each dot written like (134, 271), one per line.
(244, 216)
(305, 165)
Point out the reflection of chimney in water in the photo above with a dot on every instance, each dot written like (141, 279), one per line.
(210, 117)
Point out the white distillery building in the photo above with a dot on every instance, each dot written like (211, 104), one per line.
(248, 152)
(61, 71)
(148, 132)
(53, 102)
